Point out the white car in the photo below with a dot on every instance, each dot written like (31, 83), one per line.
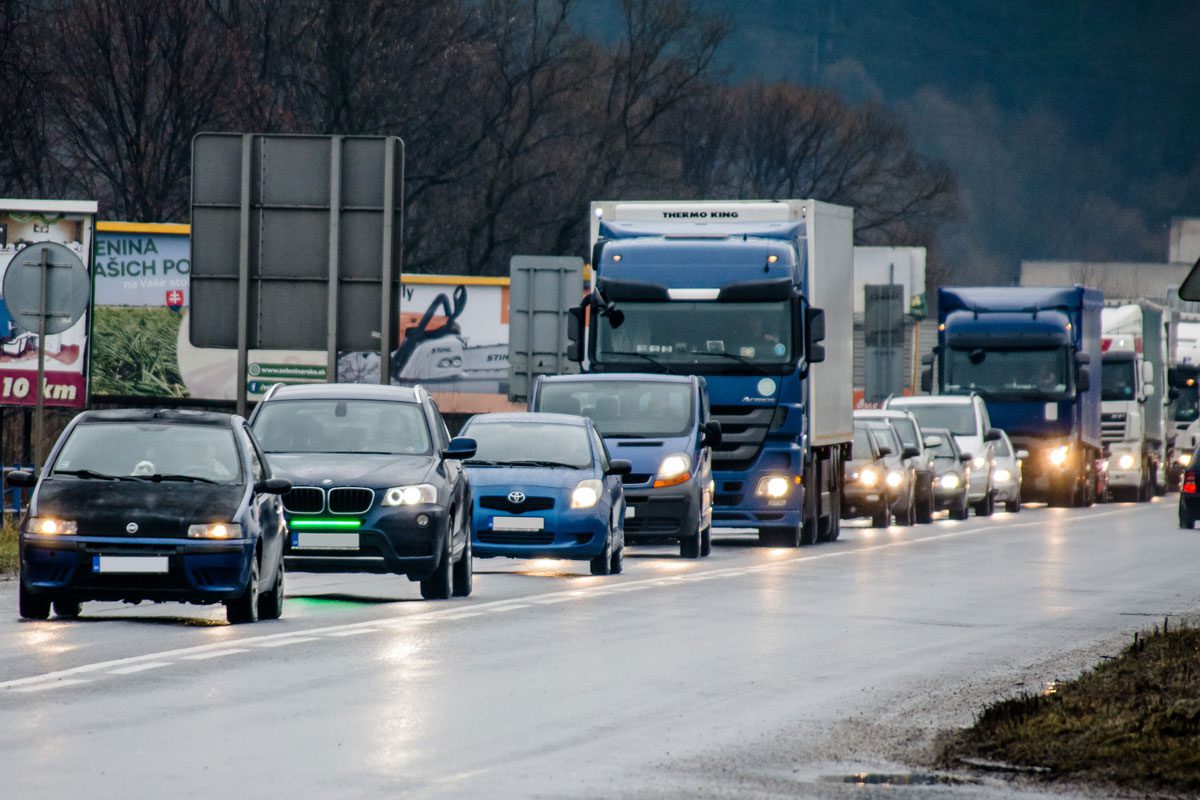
(966, 417)
(1006, 478)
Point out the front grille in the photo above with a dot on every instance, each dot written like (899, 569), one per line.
(502, 503)
(1112, 428)
(636, 478)
(350, 500)
(743, 429)
(304, 500)
(651, 525)
(515, 537)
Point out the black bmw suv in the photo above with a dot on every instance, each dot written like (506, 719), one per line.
(377, 484)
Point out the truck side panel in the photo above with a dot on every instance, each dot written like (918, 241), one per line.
(1088, 341)
(830, 278)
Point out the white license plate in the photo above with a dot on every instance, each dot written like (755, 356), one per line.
(325, 541)
(131, 564)
(518, 523)
(630, 512)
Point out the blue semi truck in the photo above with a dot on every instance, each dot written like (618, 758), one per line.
(756, 296)
(1030, 352)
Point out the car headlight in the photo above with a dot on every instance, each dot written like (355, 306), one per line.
(1184, 459)
(1125, 461)
(586, 494)
(415, 495)
(773, 487)
(1058, 456)
(673, 470)
(215, 530)
(979, 462)
(894, 479)
(950, 481)
(1003, 475)
(51, 526)
(868, 477)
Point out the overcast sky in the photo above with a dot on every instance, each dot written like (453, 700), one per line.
(1074, 126)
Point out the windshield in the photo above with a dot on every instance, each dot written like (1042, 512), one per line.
(946, 448)
(711, 334)
(634, 408)
(123, 449)
(530, 443)
(886, 437)
(1117, 379)
(959, 418)
(1022, 373)
(343, 426)
(862, 443)
(1187, 405)
(906, 430)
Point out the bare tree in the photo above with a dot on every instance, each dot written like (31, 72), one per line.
(27, 167)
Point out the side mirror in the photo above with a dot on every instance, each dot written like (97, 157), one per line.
(1083, 358)
(273, 486)
(992, 435)
(460, 449)
(1172, 394)
(1147, 372)
(21, 479)
(1084, 381)
(966, 458)
(927, 381)
(910, 452)
(814, 325)
(710, 435)
(1148, 390)
(576, 321)
(884, 450)
(619, 466)
(1022, 454)
(933, 441)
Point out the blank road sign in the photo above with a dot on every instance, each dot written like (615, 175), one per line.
(68, 289)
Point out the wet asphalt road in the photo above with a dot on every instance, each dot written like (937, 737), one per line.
(754, 673)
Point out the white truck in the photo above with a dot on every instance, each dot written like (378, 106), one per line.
(1135, 349)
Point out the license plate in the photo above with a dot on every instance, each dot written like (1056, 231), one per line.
(630, 512)
(518, 523)
(131, 564)
(325, 541)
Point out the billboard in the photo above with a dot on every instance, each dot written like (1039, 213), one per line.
(22, 223)
(453, 332)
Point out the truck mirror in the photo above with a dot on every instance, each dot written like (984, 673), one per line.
(1084, 381)
(927, 360)
(1083, 358)
(576, 320)
(927, 381)
(814, 327)
(1172, 394)
(573, 353)
(1148, 389)
(816, 353)
(1148, 372)
(1190, 288)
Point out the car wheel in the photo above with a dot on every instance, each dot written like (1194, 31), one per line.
(925, 511)
(32, 606)
(706, 542)
(690, 546)
(464, 572)
(961, 509)
(270, 604)
(618, 561)
(986, 506)
(602, 563)
(910, 513)
(1186, 520)
(440, 585)
(1013, 506)
(67, 609)
(243, 609)
(881, 518)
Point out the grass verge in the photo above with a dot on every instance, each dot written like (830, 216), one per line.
(8, 547)
(1132, 722)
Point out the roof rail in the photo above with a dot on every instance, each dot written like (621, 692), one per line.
(274, 387)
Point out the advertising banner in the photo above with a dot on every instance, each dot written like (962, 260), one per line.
(453, 332)
(23, 223)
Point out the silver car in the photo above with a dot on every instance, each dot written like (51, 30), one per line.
(1006, 473)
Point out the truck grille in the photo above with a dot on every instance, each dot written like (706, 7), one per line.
(352, 500)
(304, 500)
(1112, 427)
(743, 429)
(502, 503)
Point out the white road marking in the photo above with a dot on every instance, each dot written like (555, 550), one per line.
(132, 668)
(286, 642)
(218, 649)
(41, 687)
(353, 632)
(513, 607)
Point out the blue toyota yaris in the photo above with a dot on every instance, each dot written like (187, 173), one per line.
(545, 487)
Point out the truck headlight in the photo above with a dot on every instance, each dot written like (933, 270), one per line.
(1058, 456)
(673, 470)
(586, 494)
(1184, 459)
(415, 495)
(1003, 475)
(950, 481)
(773, 487)
(51, 526)
(215, 530)
(868, 477)
(1125, 461)
(894, 479)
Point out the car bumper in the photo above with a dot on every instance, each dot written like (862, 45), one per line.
(1007, 490)
(197, 571)
(666, 513)
(977, 487)
(388, 540)
(858, 502)
(1190, 503)
(572, 535)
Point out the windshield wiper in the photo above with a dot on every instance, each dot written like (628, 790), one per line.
(665, 367)
(93, 475)
(479, 462)
(537, 463)
(159, 477)
(735, 357)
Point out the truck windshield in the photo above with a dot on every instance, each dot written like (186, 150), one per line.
(1117, 380)
(698, 334)
(623, 408)
(1026, 373)
(1187, 405)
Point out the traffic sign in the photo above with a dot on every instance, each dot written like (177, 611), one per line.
(68, 289)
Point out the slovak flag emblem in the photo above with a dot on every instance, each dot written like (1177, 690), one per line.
(175, 299)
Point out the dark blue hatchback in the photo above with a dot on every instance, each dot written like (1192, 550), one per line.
(545, 487)
(153, 505)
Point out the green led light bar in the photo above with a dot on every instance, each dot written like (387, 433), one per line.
(325, 524)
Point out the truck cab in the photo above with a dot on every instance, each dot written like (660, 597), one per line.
(661, 424)
(1133, 377)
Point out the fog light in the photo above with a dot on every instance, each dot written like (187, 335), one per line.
(422, 520)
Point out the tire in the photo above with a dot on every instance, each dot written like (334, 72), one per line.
(705, 542)
(440, 585)
(1186, 520)
(464, 572)
(925, 511)
(618, 561)
(987, 506)
(67, 609)
(1013, 506)
(691, 545)
(881, 518)
(910, 513)
(962, 510)
(602, 564)
(32, 606)
(779, 537)
(833, 529)
(270, 604)
(243, 609)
